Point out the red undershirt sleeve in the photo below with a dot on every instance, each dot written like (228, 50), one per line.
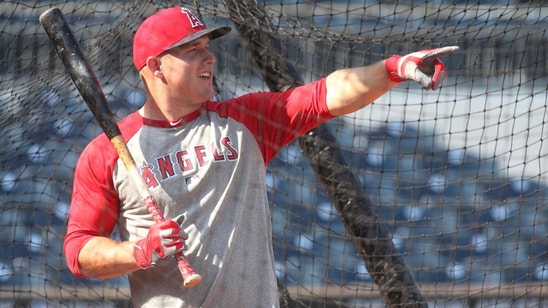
(276, 119)
(94, 205)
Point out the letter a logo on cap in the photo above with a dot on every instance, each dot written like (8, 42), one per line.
(194, 21)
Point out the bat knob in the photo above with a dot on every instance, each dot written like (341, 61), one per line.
(192, 280)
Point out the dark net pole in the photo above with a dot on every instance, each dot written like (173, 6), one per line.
(386, 268)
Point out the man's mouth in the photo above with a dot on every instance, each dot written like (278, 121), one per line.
(205, 75)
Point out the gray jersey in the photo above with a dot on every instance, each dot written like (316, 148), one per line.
(210, 168)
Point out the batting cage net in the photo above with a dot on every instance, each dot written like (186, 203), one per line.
(435, 197)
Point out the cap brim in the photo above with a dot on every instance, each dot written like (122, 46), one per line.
(213, 33)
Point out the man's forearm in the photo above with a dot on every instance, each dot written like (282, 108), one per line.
(104, 258)
(351, 89)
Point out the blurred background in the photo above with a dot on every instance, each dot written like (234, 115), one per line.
(458, 176)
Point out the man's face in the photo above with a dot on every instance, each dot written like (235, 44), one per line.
(188, 72)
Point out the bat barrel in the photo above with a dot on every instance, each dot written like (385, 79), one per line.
(78, 68)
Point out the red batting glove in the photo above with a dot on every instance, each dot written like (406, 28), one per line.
(163, 239)
(422, 66)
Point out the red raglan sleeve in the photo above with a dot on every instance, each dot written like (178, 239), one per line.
(276, 119)
(94, 206)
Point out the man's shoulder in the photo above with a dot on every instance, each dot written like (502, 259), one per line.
(130, 124)
(101, 145)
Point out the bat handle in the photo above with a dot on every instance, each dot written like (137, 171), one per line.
(190, 277)
(154, 209)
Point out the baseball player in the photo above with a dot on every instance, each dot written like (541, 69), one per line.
(205, 163)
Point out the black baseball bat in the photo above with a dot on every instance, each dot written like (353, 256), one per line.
(85, 80)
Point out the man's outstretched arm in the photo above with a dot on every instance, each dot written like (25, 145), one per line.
(351, 89)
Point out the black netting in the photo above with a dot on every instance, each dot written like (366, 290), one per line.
(447, 187)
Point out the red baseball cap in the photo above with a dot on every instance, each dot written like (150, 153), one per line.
(168, 29)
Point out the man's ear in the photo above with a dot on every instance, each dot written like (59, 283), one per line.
(154, 65)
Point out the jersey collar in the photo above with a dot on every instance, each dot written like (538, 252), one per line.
(172, 124)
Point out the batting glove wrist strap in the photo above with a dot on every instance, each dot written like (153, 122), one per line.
(391, 65)
(163, 239)
(141, 258)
